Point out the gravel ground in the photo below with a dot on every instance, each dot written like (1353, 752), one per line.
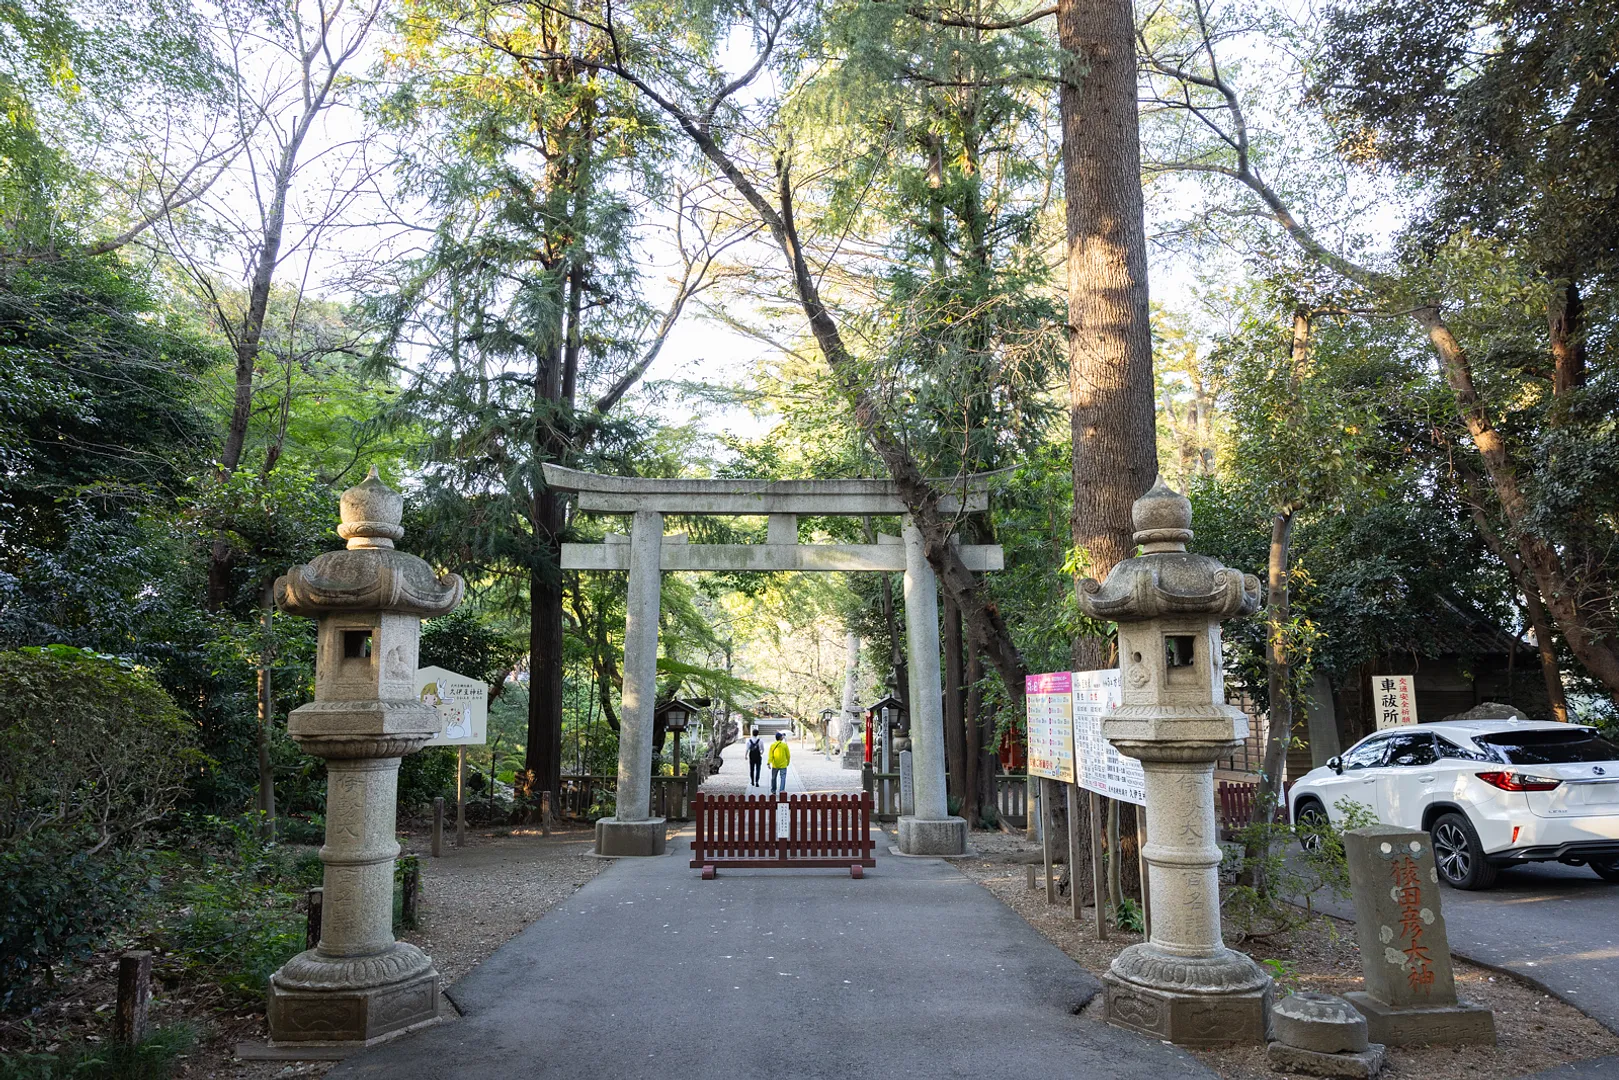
(1534, 1030)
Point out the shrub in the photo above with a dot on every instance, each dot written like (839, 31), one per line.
(234, 919)
(91, 752)
(56, 900)
(1273, 884)
(427, 775)
(88, 747)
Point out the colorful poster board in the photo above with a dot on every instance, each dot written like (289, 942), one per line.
(1098, 766)
(462, 702)
(1050, 703)
(1395, 697)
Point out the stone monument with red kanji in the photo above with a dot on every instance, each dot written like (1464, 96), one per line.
(1410, 996)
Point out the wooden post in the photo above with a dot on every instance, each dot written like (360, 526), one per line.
(134, 997)
(438, 826)
(315, 900)
(545, 813)
(1096, 866)
(1141, 858)
(461, 798)
(1046, 803)
(1078, 901)
(410, 892)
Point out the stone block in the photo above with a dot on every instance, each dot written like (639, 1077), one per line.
(361, 1015)
(1359, 1065)
(1399, 924)
(1461, 1024)
(1324, 1023)
(1187, 1019)
(631, 838)
(941, 836)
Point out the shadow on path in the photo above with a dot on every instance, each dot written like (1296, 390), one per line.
(649, 971)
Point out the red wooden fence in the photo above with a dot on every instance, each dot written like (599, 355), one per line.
(1234, 804)
(822, 830)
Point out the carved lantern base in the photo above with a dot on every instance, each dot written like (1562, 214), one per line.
(317, 999)
(1151, 993)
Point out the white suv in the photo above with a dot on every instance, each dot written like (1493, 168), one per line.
(1492, 793)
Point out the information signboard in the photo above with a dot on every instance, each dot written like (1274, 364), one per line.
(1395, 697)
(1050, 703)
(462, 702)
(1098, 766)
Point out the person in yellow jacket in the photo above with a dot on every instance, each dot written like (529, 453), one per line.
(779, 757)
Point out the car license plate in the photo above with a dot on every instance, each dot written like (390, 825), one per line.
(1604, 794)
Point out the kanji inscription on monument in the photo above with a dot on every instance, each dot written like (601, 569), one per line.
(1410, 990)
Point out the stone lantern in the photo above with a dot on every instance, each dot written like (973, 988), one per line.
(1183, 985)
(359, 984)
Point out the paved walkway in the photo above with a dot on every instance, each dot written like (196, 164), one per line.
(1556, 925)
(809, 770)
(651, 972)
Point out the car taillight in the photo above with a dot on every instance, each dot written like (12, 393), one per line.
(1511, 781)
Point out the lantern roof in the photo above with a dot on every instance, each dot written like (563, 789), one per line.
(370, 574)
(1166, 579)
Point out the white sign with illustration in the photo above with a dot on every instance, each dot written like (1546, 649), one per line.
(462, 702)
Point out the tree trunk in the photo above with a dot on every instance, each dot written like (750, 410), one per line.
(542, 757)
(1533, 606)
(955, 725)
(1279, 677)
(1278, 667)
(1109, 334)
(972, 773)
(1564, 318)
(899, 671)
(266, 799)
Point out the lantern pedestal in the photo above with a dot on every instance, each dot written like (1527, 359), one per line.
(616, 838)
(1184, 985)
(933, 836)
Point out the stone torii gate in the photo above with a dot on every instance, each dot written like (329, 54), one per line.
(647, 552)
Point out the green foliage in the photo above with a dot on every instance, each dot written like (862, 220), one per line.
(1284, 973)
(98, 411)
(230, 910)
(426, 775)
(1128, 916)
(56, 902)
(87, 747)
(1272, 869)
(468, 645)
(157, 1058)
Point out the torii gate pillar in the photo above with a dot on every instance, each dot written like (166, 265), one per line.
(930, 830)
(632, 830)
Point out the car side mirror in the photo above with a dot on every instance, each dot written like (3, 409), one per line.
(1336, 764)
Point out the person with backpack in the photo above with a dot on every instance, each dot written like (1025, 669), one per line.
(756, 758)
(779, 757)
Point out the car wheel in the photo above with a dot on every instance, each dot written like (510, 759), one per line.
(1309, 819)
(1607, 871)
(1458, 855)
